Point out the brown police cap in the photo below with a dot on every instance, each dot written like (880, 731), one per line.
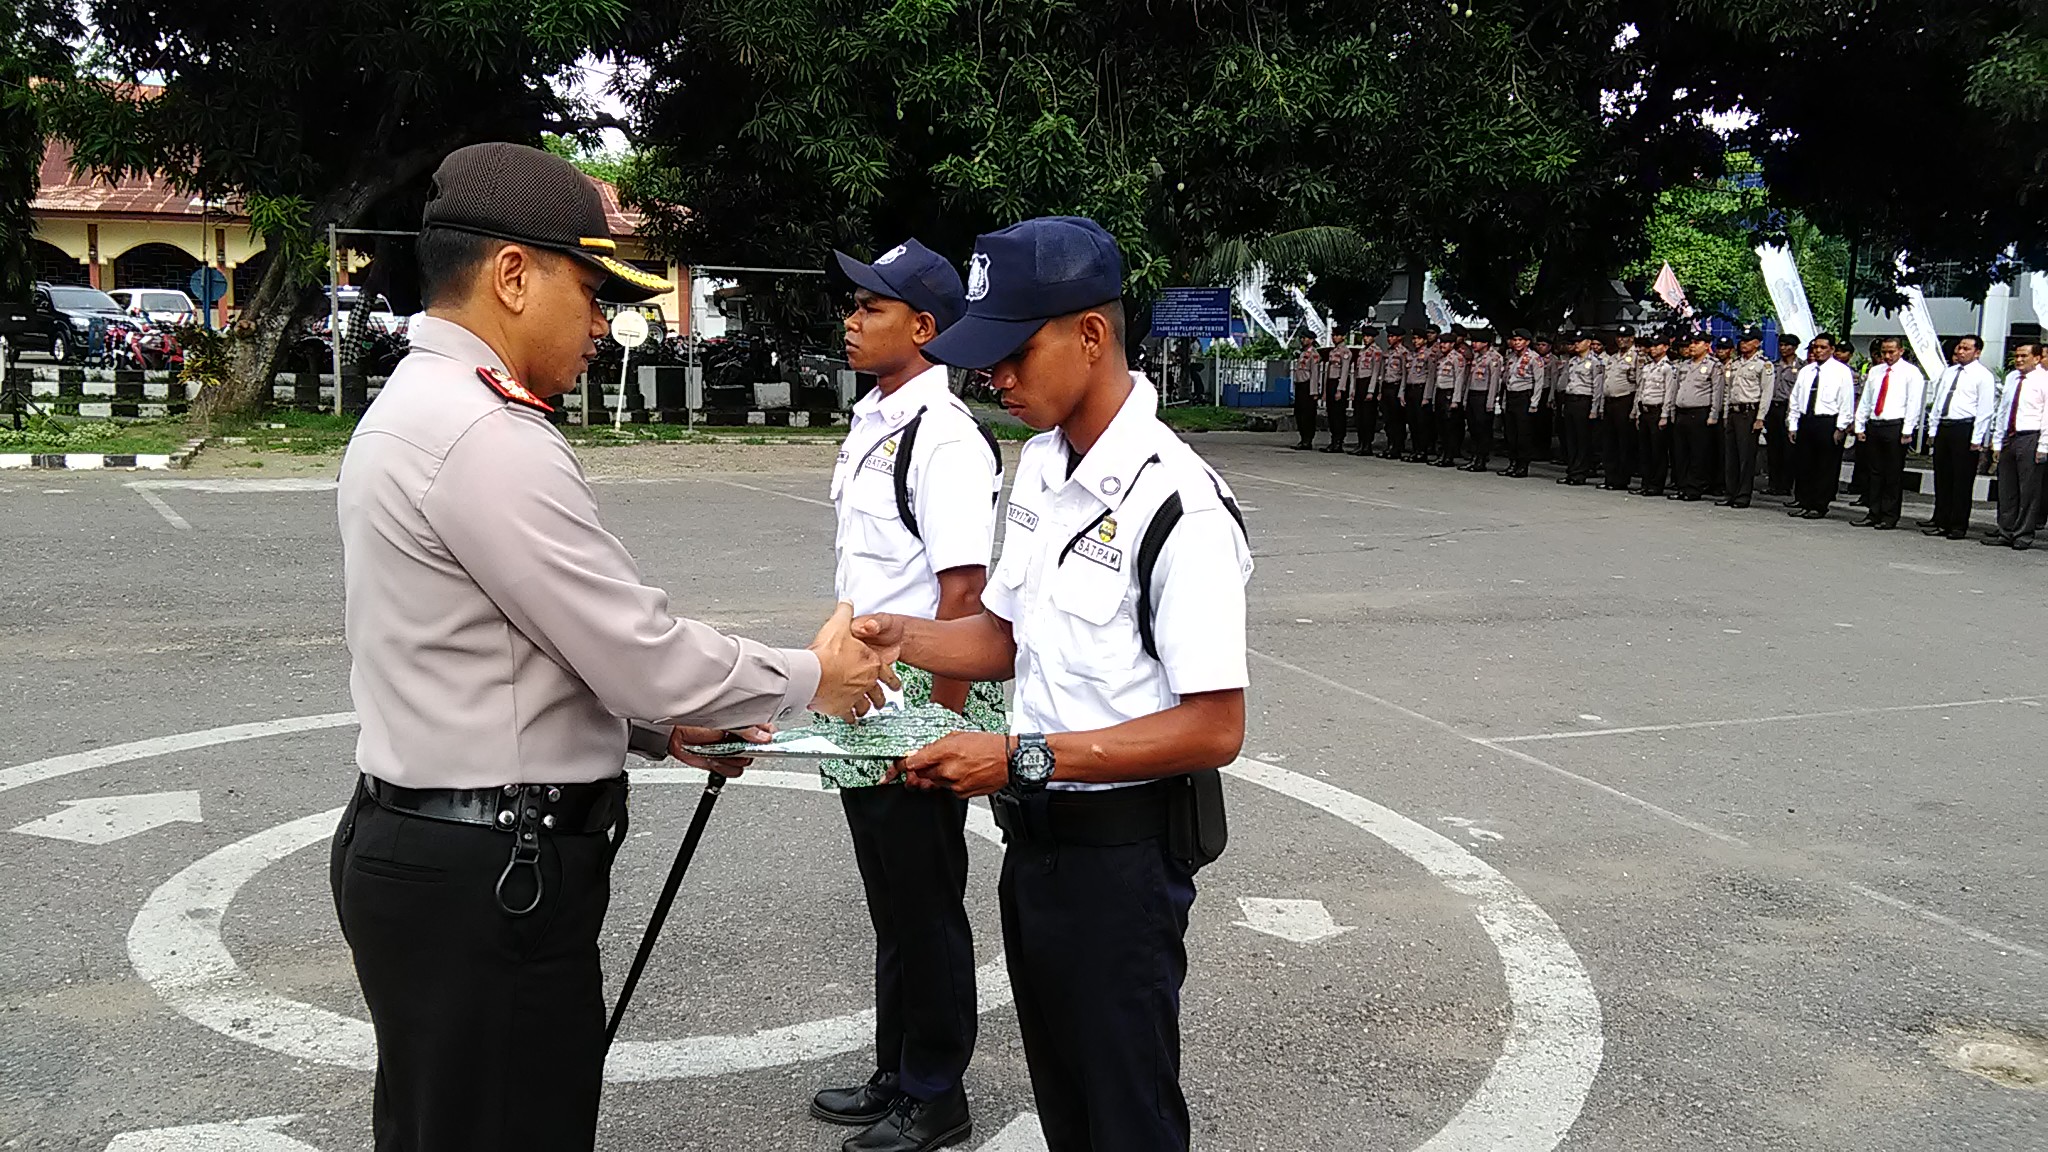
(531, 197)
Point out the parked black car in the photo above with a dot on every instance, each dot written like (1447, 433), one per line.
(74, 322)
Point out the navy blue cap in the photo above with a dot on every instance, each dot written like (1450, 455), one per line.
(914, 274)
(1023, 276)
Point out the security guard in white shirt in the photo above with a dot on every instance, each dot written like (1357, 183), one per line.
(915, 491)
(1823, 402)
(1119, 604)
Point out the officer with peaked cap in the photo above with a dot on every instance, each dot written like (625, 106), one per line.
(1119, 604)
(498, 635)
(1365, 389)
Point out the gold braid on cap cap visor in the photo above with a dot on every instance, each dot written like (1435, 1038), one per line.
(644, 281)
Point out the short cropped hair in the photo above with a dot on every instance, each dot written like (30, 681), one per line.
(1975, 340)
(448, 261)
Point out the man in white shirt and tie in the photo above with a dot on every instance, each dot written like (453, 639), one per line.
(2016, 438)
(1887, 418)
(1959, 415)
(1823, 398)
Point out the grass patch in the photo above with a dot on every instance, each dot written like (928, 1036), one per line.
(290, 431)
(1204, 418)
(57, 434)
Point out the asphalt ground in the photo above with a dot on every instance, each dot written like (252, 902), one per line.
(1653, 826)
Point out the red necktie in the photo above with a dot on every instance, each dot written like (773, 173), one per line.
(1883, 386)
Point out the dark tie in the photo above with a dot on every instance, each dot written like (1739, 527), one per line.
(1954, 381)
(1813, 394)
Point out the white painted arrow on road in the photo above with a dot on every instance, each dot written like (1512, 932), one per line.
(258, 1135)
(1302, 921)
(105, 819)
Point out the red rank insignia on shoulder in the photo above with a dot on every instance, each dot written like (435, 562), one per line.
(501, 382)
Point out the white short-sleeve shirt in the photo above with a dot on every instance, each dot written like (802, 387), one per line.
(953, 483)
(1067, 580)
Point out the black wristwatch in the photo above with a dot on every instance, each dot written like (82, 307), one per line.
(1030, 762)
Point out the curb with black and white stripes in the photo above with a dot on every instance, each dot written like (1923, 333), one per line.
(98, 461)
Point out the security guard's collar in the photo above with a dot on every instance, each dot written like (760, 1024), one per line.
(1109, 468)
(447, 338)
(923, 390)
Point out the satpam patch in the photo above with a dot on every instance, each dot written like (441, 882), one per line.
(1103, 554)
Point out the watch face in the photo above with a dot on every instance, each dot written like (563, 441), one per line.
(1034, 763)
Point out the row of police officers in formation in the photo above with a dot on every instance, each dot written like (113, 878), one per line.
(507, 652)
(1686, 416)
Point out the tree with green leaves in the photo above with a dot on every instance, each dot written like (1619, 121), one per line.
(35, 46)
(313, 116)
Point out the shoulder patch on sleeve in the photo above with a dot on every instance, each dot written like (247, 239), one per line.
(500, 381)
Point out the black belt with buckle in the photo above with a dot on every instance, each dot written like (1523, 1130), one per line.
(1099, 818)
(524, 810)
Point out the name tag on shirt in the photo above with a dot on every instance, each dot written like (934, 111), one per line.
(1103, 554)
(1024, 518)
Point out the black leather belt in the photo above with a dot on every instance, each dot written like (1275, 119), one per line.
(1099, 818)
(572, 809)
(523, 810)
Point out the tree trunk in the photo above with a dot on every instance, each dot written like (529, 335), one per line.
(255, 343)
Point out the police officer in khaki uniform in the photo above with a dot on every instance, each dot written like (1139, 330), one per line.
(1482, 395)
(1777, 421)
(1617, 433)
(1307, 377)
(1651, 415)
(498, 633)
(1365, 388)
(1522, 370)
(1750, 381)
(1447, 397)
(1415, 394)
(1393, 378)
(1697, 386)
(1580, 397)
(1336, 390)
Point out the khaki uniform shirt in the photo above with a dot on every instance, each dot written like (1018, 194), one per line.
(1337, 373)
(1305, 369)
(1786, 374)
(1421, 367)
(1365, 370)
(1750, 380)
(1585, 376)
(1653, 384)
(1699, 384)
(498, 634)
(1450, 377)
(1394, 368)
(1524, 371)
(1620, 376)
(1484, 384)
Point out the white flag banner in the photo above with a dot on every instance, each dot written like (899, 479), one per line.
(1920, 332)
(1310, 316)
(1997, 322)
(1251, 300)
(1671, 292)
(1788, 295)
(2037, 295)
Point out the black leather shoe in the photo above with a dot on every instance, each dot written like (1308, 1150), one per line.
(1357, 452)
(1957, 534)
(1813, 514)
(1301, 447)
(1791, 503)
(860, 1105)
(1926, 524)
(1931, 530)
(1865, 522)
(2022, 545)
(1995, 542)
(915, 1125)
(1507, 471)
(1724, 502)
(1330, 448)
(1796, 513)
(1884, 526)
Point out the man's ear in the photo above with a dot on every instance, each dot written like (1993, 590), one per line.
(1096, 335)
(923, 328)
(512, 269)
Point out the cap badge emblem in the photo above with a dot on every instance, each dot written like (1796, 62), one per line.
(890, 256)
(1106, 531)
(977, 276)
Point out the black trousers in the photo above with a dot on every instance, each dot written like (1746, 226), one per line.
(1543, 423)
(1653, 447)
(912, 850)
(1094, 941)
(1450, 427)
(1820, 462)
(1618, 441)
(2019, 488)
(1738, 458)
(1333, 413)
(1365, 416)
(1421, 421)
(1955, 474)
(1778, 449)
(1575, 422)
(490, 1027)
(1305, 411)
(1517, 420)
(1884, 464)
(1692, 441)
(1396, 420)
(1478, 428)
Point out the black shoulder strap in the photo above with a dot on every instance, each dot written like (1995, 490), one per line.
(905, 441)
(988, 437)
(1162, 525)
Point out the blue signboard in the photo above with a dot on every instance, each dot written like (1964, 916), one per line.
(207, 286)
(1192, 312)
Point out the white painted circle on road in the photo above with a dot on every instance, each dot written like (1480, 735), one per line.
(176, 947)
(1528, 1102)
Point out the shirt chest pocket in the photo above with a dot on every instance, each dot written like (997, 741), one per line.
(875, 530)
(1097, 637)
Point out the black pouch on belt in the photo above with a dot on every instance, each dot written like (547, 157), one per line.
(1197, 830)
